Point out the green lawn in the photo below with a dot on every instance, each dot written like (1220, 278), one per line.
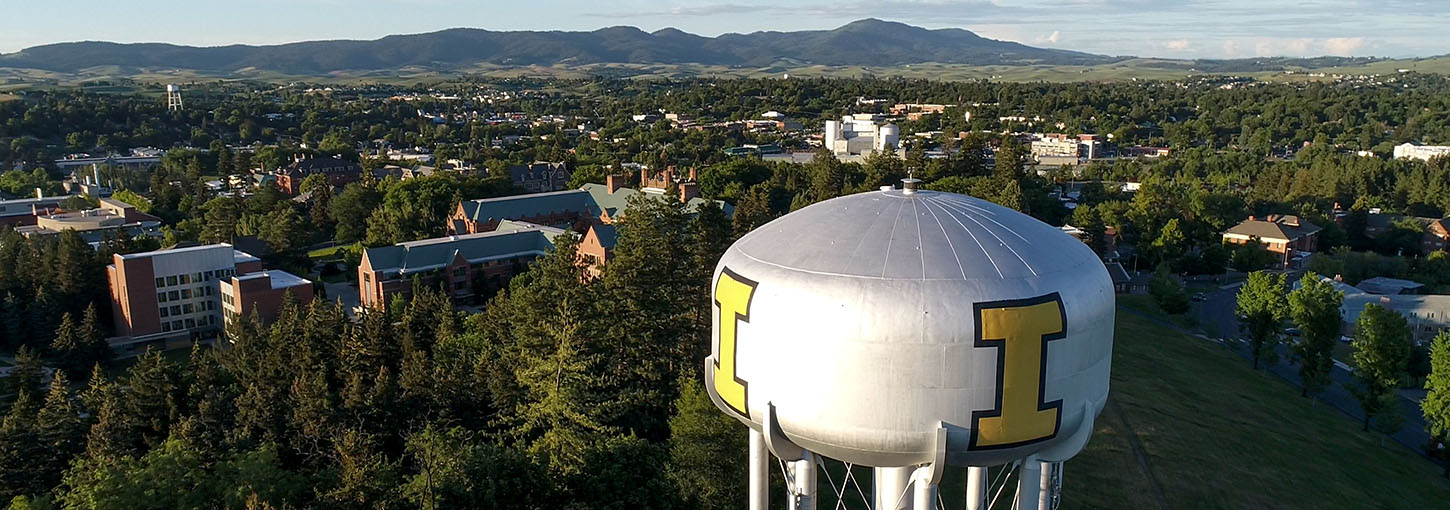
(327, 253)
(175, 356)
(1145, 304)
(1212, 433)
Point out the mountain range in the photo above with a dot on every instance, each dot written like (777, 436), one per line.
(868, 42)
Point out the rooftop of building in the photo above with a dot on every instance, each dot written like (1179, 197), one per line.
(1274, 227)
(280, 279)
(510, 240)
(237, 255)
(1388, 286)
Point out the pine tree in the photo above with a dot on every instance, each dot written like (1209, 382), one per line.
(152, 397)
(60, 431)
(1315, 309)
(561, 416)
(363, 477)
(12, 322)
(705, 446)
(210, 398)
(1381, 352)
(25, 376)
(20, 448)
(93, 339)
(313, 413)
(66, 347)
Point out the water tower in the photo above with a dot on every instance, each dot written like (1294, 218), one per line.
(910, 331)
(173, 97)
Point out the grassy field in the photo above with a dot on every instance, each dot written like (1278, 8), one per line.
(1190, 425)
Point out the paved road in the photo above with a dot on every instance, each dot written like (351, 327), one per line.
(1216, 315)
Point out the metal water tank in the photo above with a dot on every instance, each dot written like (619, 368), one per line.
(903, 327)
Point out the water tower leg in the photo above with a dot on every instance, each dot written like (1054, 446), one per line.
(1045, 489)
(924, 493)
(1029, 480)
(890, 484)
(805, 482)
(976, 488)
(759, 472)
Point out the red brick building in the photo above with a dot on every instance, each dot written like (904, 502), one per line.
(170, 298)
(1281, 234)
(338, 171)
(471, 265)
(261, 293)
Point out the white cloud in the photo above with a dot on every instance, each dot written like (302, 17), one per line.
(1052, 38)
(1264, 49)
(1342, 45)
(1178, 45)
(1231, 48)
(1300, 46)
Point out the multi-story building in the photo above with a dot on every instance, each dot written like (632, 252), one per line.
(93, 224)
(261, 293)
(1282, 234)
(860, 135)
(23, 211)
(591, 204)
(1420, 152)
(339, 172)
(172, 297)
(540, 176)
(465, 265)
(1426, 315)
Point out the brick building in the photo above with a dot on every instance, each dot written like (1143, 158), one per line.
(1282, 234)
(338, 171)
(540, 176)
(261, 293)
(591, 204)
(466, 265)
(170, 298)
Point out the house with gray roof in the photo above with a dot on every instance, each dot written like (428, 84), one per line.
(1282, 234)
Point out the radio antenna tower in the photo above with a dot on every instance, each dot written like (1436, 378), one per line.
(173, 97)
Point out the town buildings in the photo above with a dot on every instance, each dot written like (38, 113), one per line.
(1420, 152)
(94, 224)
(540, 176)
(24, 211)
(860, 135)
(591, 204)
(1426, 315)
(465, 265)
(170, 298)
(1284, 235)
(339, 172)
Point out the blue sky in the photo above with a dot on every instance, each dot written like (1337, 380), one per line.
(1166, 28)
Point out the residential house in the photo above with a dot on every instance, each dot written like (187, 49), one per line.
(1282, 234)
(540, 176)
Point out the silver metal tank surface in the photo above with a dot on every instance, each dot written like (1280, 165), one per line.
(866, 323)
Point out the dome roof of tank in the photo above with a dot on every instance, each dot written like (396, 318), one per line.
(926, 235)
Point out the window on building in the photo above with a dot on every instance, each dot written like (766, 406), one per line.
(160, 282)
(188, 308)
(164, 311)
(176, 324)
(185, 293)
(160, 297)
(170, 280)
(173, 295)
(196, 277)
(166, 326)
(190, 323)
(210, 291)
(175, 309)
(185, 279)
